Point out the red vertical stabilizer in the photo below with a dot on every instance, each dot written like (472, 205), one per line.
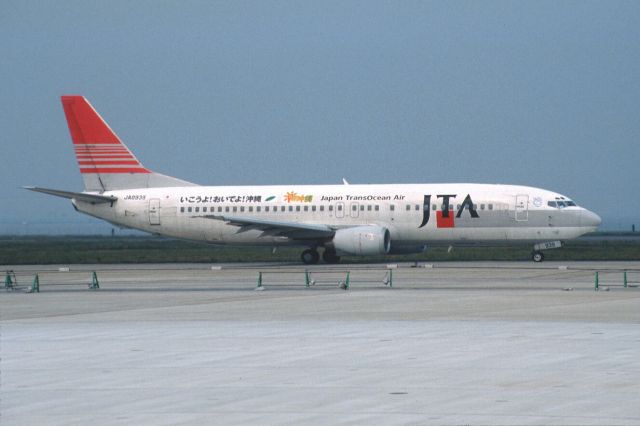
(98, 149)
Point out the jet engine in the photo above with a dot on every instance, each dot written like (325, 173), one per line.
(362, 240)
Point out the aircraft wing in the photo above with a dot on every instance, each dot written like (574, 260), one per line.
(293, 230)
(80, 196)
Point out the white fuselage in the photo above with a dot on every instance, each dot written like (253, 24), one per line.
(414, 214)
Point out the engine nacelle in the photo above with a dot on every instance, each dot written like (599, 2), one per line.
(362, 240)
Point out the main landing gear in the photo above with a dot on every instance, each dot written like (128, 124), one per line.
(330, 256)
(311, 256)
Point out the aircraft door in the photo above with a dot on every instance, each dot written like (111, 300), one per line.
(154, 211)
(339, 209)
(522, 208)
(354, 209)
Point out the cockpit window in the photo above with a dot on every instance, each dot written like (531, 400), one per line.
(561, 203)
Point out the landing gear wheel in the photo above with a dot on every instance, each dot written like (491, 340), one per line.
(537, 256)
(310, 257)
(330, 257)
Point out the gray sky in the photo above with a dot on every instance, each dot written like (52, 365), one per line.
(255, 92)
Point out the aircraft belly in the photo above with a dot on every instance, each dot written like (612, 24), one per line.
(504, 234)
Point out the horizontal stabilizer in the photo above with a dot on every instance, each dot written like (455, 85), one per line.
(80, 196)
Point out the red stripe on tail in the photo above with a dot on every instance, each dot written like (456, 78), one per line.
(109, 163)
(114, 170)
(100, 157)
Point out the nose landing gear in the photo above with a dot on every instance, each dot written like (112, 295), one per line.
(537, 256)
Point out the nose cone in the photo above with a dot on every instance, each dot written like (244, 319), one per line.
(589, 218)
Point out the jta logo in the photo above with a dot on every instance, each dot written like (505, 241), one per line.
(444, 216)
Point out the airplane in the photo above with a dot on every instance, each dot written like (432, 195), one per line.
(347, 219)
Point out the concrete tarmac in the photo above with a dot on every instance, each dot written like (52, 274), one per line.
(449, 343)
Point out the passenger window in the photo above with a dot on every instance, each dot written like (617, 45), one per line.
(340, 207)
(226, 209)
(197, 209)
(321, 208)
(242, 208)
(362, 208)
(306, 208)
(369, 207)
(290, 208)
(458, 207)
(250, 208)
(354, 207)
(235, 209)
(189, 209)
(408, 207)
(481, 206)
(258, 208)
(297, 208)
(434, 207)
(313, 208)
(204, 210)
(490, 206)
(417, 207)
(181, 209)
(220, 209)
(377, 207)
(282, 208)
(392, 207)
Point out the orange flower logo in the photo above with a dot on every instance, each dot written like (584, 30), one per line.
(294, 197)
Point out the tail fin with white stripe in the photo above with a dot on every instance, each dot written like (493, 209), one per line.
(105, 162)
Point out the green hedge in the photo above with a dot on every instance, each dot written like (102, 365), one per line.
(101, 249)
